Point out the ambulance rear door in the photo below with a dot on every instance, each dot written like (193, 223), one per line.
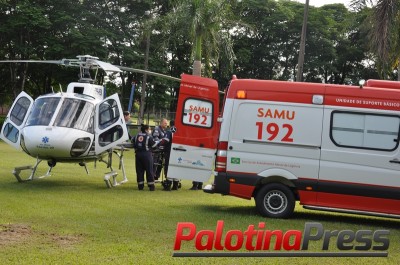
(195, 139)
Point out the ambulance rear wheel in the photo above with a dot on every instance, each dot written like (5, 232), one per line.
(275, 200)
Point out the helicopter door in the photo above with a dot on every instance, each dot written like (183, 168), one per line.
(16, 119)
(110, 127)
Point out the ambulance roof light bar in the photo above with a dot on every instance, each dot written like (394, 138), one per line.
(241, 94)
(361, 83)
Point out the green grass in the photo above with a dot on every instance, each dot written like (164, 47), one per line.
(72, 218)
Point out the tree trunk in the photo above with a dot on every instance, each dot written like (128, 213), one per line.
(24, 71)
(197, 68)
(197, 56)
(299, 76)
(144, 83)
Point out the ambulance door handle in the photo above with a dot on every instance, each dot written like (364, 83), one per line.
(179, 149)
(395, 161)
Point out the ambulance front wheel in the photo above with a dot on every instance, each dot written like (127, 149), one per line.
(275, 200)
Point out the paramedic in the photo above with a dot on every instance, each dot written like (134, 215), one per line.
(143, 142)
(158, 134)
(167, 142)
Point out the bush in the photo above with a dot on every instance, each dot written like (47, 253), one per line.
(2, 119)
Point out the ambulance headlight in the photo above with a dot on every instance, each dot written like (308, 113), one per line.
(80, 146)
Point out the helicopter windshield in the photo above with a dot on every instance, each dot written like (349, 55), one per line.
(43, 111)
(77, 114)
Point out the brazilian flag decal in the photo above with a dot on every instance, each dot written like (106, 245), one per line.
(235, 160)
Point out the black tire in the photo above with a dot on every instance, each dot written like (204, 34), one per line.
(275, 200)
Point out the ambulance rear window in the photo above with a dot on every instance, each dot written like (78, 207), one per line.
(197, 112)
(366, 131)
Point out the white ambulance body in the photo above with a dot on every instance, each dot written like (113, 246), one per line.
(332, 147)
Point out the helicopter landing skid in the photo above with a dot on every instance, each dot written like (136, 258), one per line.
(113, 174)
(16, 172)
(120, 153)
(107, 179)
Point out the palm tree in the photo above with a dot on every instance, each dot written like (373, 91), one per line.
(203, 21)
(384, 34)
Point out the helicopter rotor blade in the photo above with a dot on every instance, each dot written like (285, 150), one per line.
(65, 62)
(107, 66)
(32, 61)
(147, 72)
(92, 62)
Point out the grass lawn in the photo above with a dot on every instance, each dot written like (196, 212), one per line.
(72, 218)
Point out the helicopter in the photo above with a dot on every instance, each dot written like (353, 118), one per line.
(80, 125)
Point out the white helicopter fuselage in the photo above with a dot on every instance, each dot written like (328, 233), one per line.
(76, 126)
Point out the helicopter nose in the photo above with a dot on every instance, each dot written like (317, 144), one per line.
(54, 142)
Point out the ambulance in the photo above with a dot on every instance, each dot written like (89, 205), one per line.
(330, 147)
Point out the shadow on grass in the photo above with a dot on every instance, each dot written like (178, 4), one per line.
(49, 183)
(308, 216)
(236, 210)
(362, 220)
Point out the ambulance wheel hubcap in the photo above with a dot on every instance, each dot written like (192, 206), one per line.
(275, 201)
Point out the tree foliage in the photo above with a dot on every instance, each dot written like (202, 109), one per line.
(251, 39)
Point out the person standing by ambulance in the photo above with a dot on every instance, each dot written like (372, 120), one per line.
(167, 143)
(158, 134)
(143, 143)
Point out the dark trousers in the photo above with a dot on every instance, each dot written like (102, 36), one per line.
(157, 166)
(197, 185)
(144, 163)
(166, 162)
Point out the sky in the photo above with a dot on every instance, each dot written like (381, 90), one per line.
(318, 3)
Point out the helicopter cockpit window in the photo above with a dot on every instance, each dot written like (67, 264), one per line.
(109, 113)
(43, 111)
(19, 110)
(76, 114)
